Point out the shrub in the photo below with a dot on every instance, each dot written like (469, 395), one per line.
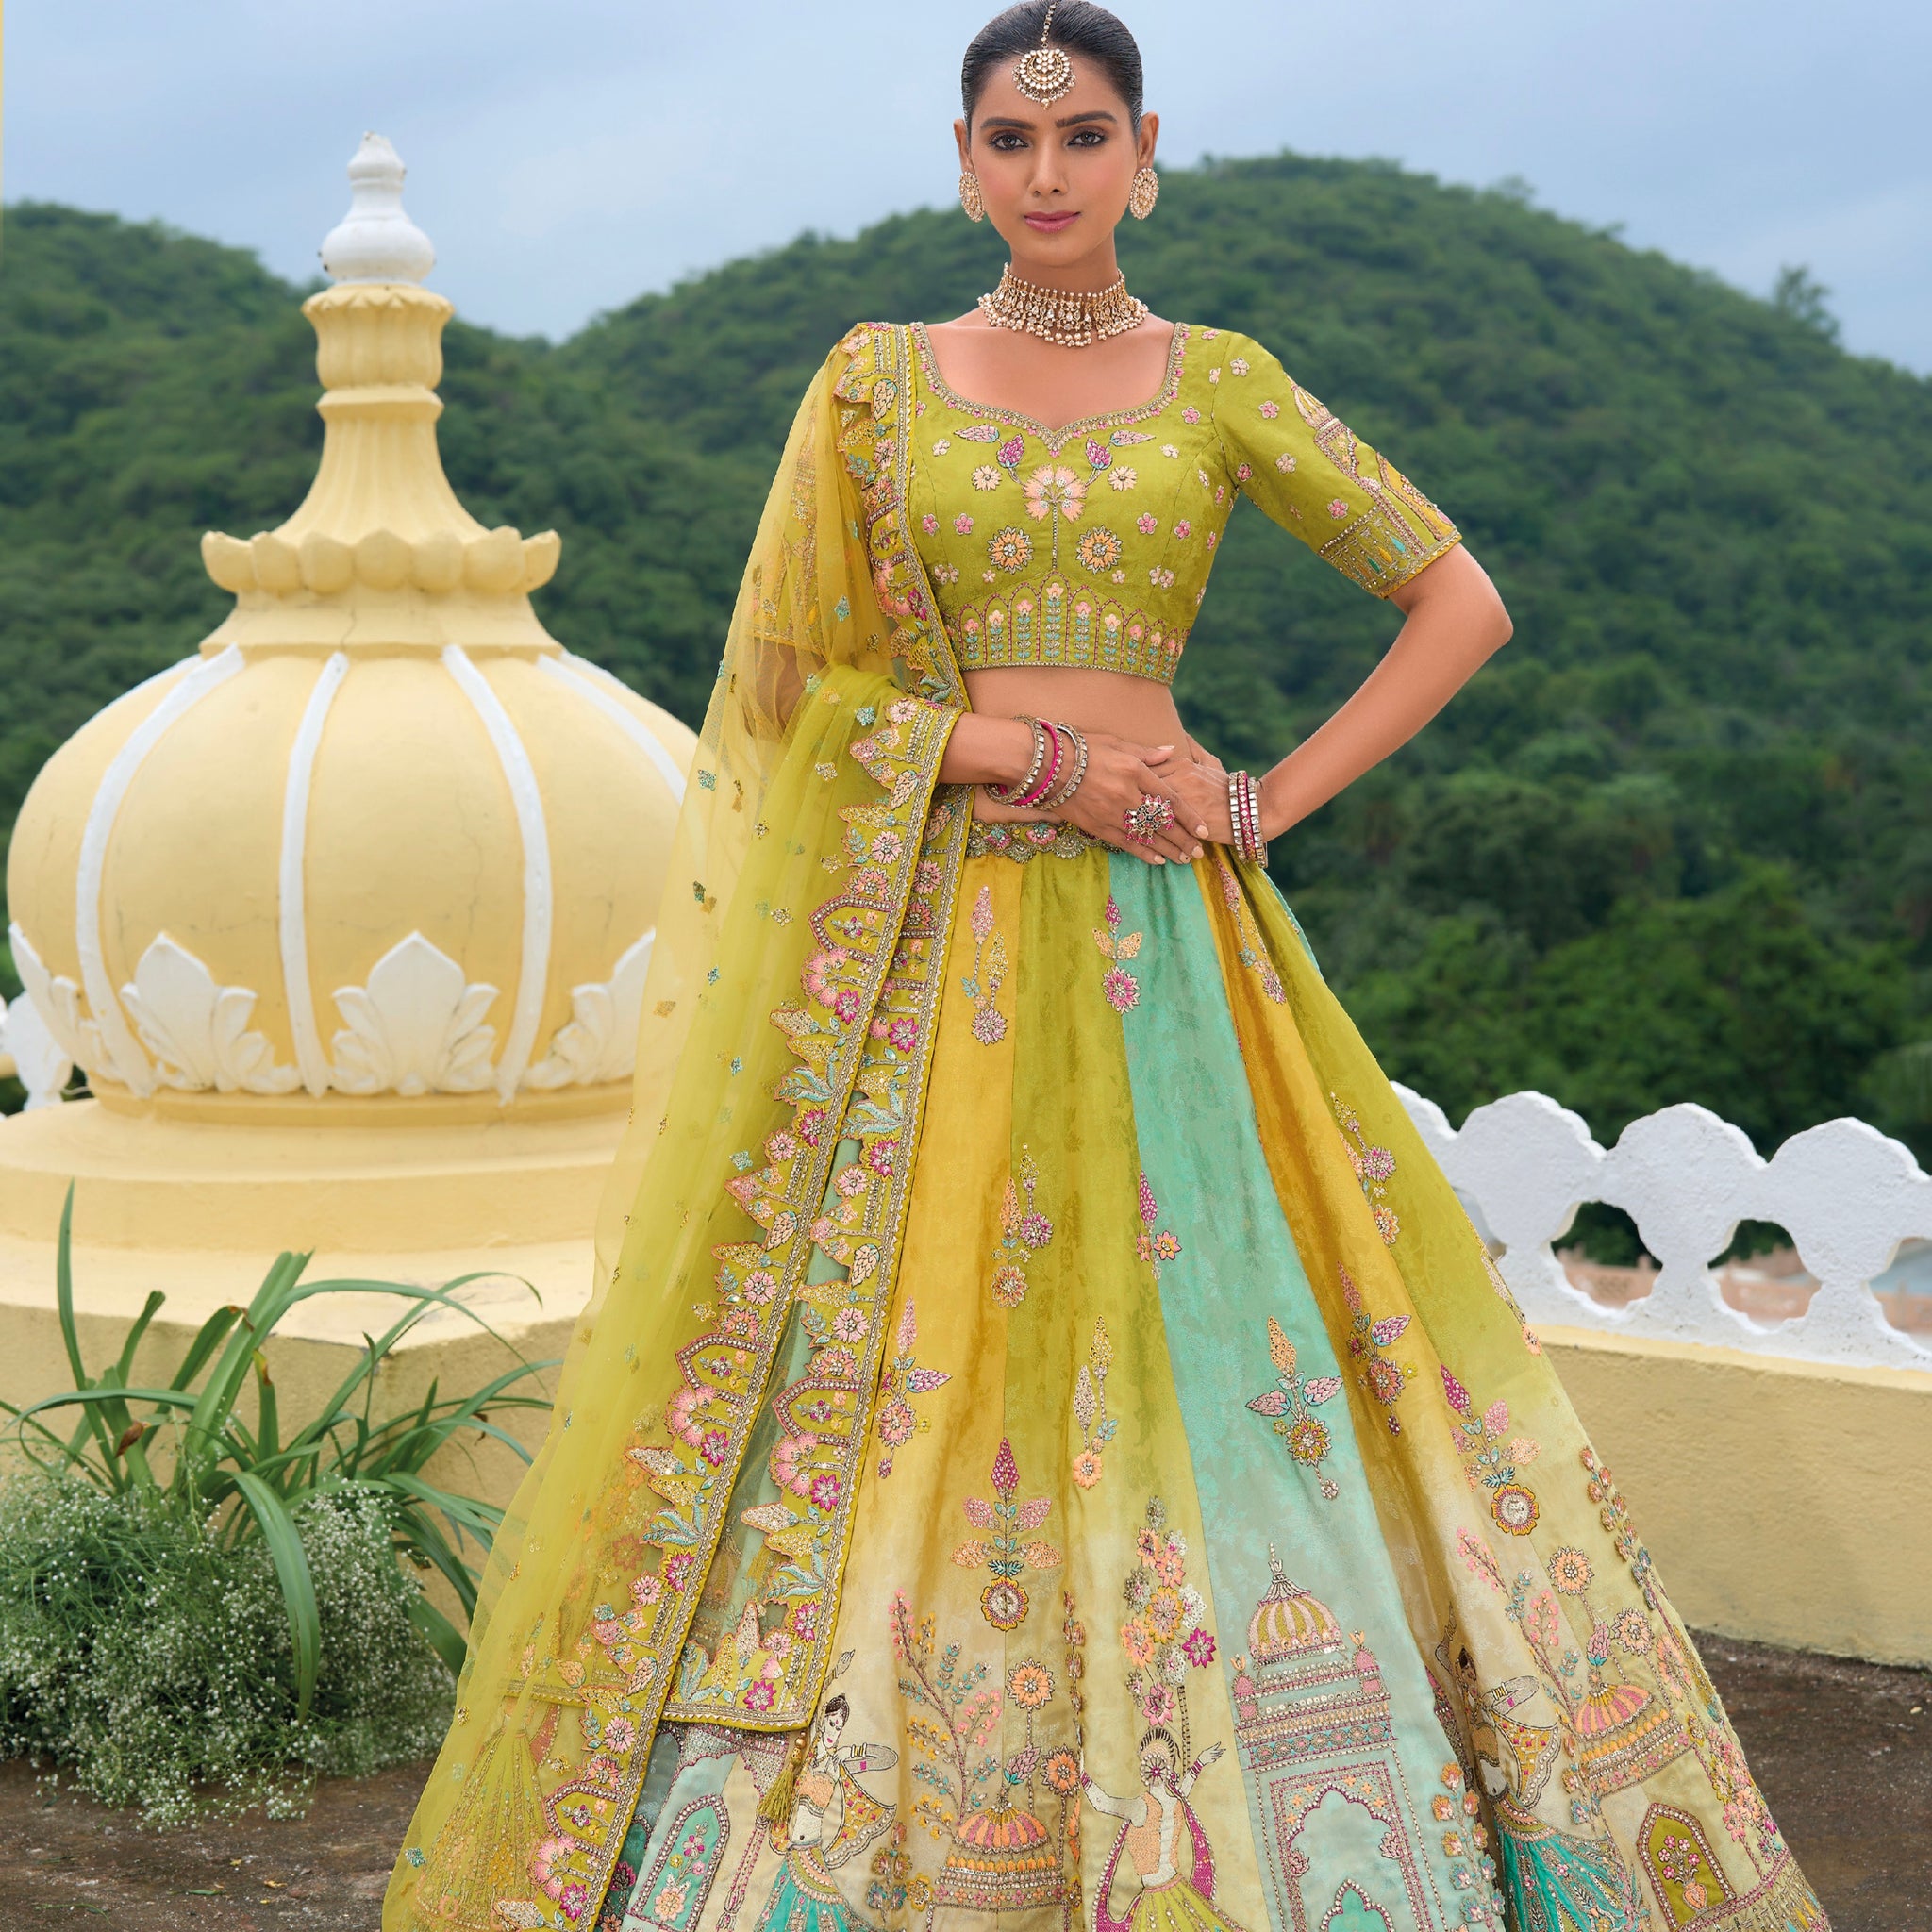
(156, 1668)
(190, 1598)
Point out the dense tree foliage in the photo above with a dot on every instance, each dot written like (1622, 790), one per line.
(1674, 843)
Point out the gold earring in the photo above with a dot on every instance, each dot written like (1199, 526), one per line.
(1144, 195)
(970, 198)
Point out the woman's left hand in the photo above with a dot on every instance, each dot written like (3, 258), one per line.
(1199, 781)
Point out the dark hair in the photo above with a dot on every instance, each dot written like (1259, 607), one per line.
(837, 1707)
(1079, 25)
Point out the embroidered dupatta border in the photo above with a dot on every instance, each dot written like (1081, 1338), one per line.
(877, 454)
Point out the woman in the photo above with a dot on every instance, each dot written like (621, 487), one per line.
(1150, 1835)
(1022, 1285)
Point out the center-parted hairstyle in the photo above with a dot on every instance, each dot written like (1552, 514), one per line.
(1086, 31)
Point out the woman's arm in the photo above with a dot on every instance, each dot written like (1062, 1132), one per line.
(1453, 621)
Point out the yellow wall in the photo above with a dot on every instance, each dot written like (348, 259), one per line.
(1783, 1500)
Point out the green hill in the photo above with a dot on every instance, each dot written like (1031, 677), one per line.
(1674, 843)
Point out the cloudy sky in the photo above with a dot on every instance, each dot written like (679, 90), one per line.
(565, 155)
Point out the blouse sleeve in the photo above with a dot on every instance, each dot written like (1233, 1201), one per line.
(1310, 472)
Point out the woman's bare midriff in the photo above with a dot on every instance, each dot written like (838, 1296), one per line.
(1134, 708)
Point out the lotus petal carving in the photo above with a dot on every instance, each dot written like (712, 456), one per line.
(42, 1064)
(197, 1029)
(417, 1027)
(58, 1002)
(599, 1040)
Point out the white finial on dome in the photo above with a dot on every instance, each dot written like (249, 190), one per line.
(376, 241)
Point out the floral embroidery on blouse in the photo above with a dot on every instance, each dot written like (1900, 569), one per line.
(1285, 451)
(1009, 549)
(1099, 549)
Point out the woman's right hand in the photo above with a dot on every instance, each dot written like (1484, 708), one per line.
(1119, 775)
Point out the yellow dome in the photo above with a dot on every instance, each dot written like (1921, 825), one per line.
(383, 848)
(1288, 1623)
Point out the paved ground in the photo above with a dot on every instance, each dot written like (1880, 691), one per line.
(1844, 1751)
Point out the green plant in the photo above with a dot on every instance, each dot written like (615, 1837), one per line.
(246, 1485)
(152, 1665)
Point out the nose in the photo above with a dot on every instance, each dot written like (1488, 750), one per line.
(1049, 176)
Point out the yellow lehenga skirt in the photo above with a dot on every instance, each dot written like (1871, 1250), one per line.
(1213, 1472)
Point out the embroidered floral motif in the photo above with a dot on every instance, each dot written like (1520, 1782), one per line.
(1380, 1379)
(1099, 549)
(1285, 462)
(1251, 953)
(1020, 843)
(982, 432)
(1491, 1458)
(1009, 549)
(1153, 1248)
(1098, 455)
(986, 477)
(1097, 1429)
(1375, 1167)
(904, 1378)
(982, 985)
(964, 523)
(1024, 1231)
(1008, 1548)
(1009, 455)
(1290, 1405)
(1122, 989)
(1270, 409)
(1124, 478)
(1147, 523)
(1166, 1634)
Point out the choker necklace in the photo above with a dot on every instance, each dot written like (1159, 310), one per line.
(1071, 317)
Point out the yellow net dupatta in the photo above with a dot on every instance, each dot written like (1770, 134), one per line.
(761, 1190)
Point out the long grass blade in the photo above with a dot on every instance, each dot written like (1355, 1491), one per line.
(215, 1406)
(207, 1338)
(70, 1333)
(298, 1586)
(422, 1536)
(445, 1638)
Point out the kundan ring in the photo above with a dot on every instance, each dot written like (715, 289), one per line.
(1151, 816)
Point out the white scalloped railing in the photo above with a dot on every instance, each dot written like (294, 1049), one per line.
(1847, 1195)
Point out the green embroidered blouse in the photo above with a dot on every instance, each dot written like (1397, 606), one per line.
(1091, 544)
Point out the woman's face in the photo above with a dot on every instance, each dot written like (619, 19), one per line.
(1055, 180)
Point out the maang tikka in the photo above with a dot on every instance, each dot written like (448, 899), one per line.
(1044, 74)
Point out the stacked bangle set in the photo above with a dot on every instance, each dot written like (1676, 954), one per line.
(1057, 771)
(1059, 768)
(1244, 815)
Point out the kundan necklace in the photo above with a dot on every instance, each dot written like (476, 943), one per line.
(1071, 317)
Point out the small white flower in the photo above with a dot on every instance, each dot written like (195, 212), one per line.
(942, 446)
(986, 477)
(1166, 449)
